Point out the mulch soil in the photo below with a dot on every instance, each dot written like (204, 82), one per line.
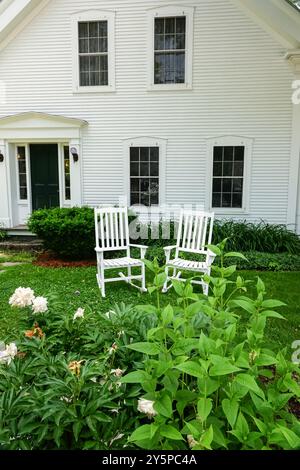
(50, 260)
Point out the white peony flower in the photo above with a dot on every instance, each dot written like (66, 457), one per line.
(146, 406)
(191, 441)
(117, 372)
(22, 297)
(40, 305)
(79, 314)
(7, 354)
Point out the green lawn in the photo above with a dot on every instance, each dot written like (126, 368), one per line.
(76, 287)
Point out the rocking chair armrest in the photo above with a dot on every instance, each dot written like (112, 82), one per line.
(144, 247)
(99, 250)
(170, 248)
(210, 257)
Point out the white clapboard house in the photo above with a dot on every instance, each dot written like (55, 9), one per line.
(155, 102)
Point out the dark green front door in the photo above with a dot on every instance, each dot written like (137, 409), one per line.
(44, 176)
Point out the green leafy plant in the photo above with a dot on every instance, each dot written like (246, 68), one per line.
(223, 388)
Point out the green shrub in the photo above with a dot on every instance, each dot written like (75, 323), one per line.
(69, 232)
(3, 235)
(263, 237)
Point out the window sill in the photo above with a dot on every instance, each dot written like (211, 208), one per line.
(94, 89)
(232, 211)
(176, 87)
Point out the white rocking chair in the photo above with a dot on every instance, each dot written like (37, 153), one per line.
(194, 233)
(112, 234)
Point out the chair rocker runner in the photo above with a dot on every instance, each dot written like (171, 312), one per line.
(194, 233)
(112, 234)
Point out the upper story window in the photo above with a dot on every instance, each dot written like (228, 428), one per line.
(229, 183)
(93, 51)
(171, 54)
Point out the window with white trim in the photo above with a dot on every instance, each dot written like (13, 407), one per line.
(228, 176)
(171, 54)
(144, 176)
(230, 173)
(93, 51)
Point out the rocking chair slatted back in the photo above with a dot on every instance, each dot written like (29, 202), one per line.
(111, 226)
(195, 231)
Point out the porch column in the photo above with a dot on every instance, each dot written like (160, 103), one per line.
(76, 172)
(293, 215)
(5, 219)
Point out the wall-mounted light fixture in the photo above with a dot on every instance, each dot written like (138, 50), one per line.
(1, 157)
(74, 152)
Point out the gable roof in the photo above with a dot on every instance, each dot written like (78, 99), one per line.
(279, 17)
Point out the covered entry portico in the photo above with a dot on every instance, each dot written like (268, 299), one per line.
(40, 164)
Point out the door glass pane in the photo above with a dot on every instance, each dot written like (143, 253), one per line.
(22, 171)
(67, 173)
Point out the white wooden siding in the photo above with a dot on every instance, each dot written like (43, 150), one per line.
(241, 86)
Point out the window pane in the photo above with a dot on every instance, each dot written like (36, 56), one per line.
(94, 63)
(144, 169)
(238, 169)
(95, 79)
(180, 24)
(239, 154)
(227, 168)
(67, 173)
(135, 185)
(22, 166)
(84, 79)
(226, 200)
(102, 45)
(154, 169)
(83, 46)
(102, 29)
(170, 25)
(93, 29)
(83, 30)
(144, 154)
(217, 184)
(104, 78)
(145, 185)
(145, 200)
(227, 185)
(180, 67)
(216, 202)
(218, 154)
(135, 198)
(134, 154)
(104, 63)
(94, 45)
(159, 43)
(237, 185)
(134, 169)
(23, 193)
(180, 41)
(170, 41)
(154, 152)
(217, 169)
(159, 26)
(228, 154)
(84, 63)
(237, 200)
